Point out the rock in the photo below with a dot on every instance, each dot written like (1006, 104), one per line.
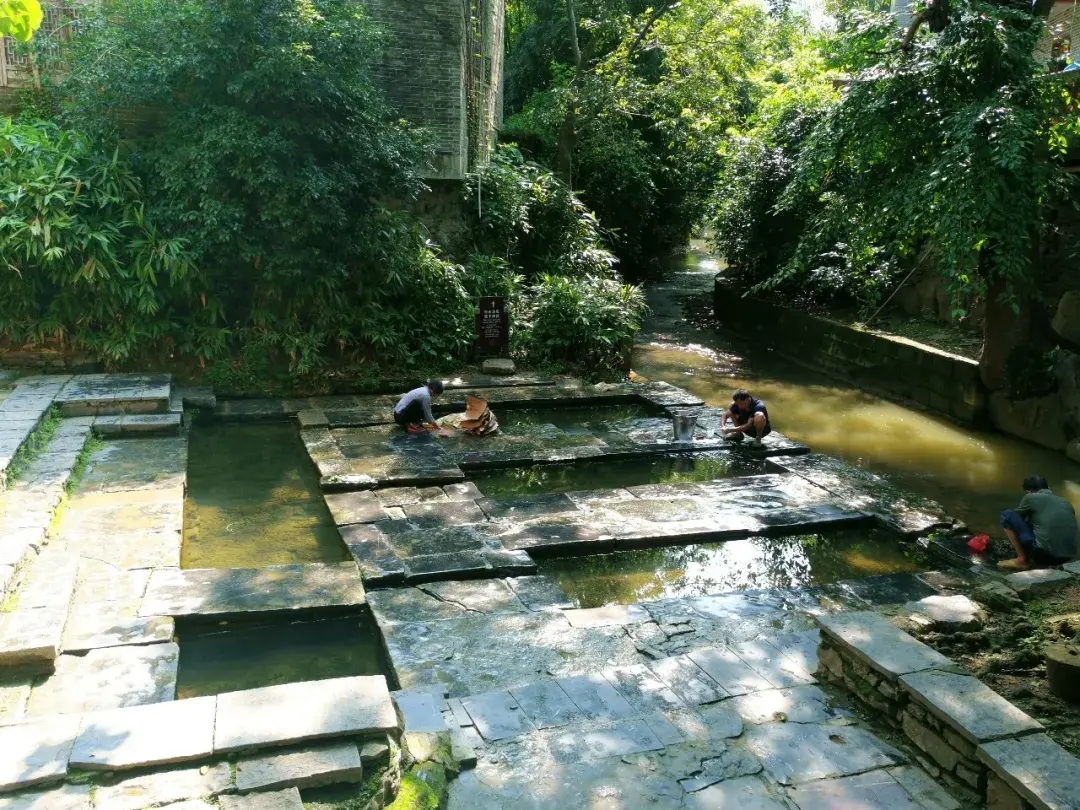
(1072, 567)
(1037, 419)
(620, 739)
(596, 697)
(730, 671)
(138, 736)
(687, 680)
(288, 799)
(374, 751)
(294, 712)
(1063, 670)
(63, 797)
(771, 664)
(1066, 322)
(800, 704)
(311, 767)
(1029, 584)
(420, 710)
(499, 366)
(999, 796)
(947, 613)
(642, 689)
(606, 616)
(998, 595)
(878, 789)
(967, 706)
(31, 638)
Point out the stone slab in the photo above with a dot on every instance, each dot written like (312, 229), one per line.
(497, 715)
(409, 540)
(968, 706)
(596, 698)
(62, 797)
(155, 734)
(918, 784)
(164, 787)
(744, 793)
(375, 557)
(880, 644)
(509, 562)
(114, 394)
(687, 680)
(547, 705)
(35, 752)
(31, 637)
(771, 664)
(92, 632)
(1072, 567)
(525, 508)
(877, 790)
(733, 674)
(398, 496)
(431, 567)
(642, 689)
(540, 593)
(799, 704)
(483, 596)
(467, 491)
(620, 739)
(112, 678)
(214, 591)
(607, 616)
(1028, 584)
(1037, 768)
(797, 753)
(311, 767)
(354, 507)
(277, 715)
(288, 799)
(435, 515)
(420, 710)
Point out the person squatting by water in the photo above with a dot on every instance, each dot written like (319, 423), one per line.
(413, 410)
(750, 417)
(1042, 529)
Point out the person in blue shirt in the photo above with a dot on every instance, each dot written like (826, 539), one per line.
(413, 410)
(750, 418)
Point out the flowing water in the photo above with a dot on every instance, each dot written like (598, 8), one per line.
(760, 562)
(253, 500)
(973, 474)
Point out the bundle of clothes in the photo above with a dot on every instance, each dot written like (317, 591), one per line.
(478, 420)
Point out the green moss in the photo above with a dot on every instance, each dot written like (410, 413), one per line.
(422, 788)
(34, 445)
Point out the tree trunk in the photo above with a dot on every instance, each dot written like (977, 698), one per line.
(1003, 330)
(564, 158)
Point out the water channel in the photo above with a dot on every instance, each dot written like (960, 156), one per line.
(974, 475)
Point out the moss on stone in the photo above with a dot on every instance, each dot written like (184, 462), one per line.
(422, 788)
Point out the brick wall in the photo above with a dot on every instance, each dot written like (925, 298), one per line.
(893, 367)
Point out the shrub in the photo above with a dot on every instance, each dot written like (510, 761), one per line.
(589, 322)
(81, 259)
(262, 138)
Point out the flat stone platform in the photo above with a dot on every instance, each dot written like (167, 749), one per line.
(217, 591)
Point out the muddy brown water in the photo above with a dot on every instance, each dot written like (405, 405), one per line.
(973, 474)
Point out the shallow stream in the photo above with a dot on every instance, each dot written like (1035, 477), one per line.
(973, 474)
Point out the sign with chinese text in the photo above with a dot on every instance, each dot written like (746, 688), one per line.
(492, 326)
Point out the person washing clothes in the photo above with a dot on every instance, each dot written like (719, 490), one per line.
(413, 411)
(750, 417)
(1042, 529)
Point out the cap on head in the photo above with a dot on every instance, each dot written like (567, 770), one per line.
(1033, 483)
(435, 386)
(740, 395)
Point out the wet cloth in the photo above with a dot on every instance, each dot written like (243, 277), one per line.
(741, 418)
(414, 407)
(1052, 522)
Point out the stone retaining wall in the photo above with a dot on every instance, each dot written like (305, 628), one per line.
(945, 383)
(965, 732)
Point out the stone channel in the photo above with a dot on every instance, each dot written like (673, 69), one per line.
(804, 698)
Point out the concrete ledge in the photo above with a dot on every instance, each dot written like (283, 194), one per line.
(881, 645)
(1036, 769)
(154, 424)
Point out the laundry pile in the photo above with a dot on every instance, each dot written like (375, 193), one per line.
(478, 419)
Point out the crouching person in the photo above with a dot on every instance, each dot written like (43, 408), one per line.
(413, 410)
(1042, 529)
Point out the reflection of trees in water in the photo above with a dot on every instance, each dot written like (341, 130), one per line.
(679, 571)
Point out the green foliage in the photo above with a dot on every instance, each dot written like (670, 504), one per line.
(534, 221)
(262, 138)
(19, 19)
(82, 260)
(589, 321)
(1031, 373)
(950, 151)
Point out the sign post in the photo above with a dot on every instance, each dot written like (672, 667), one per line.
(492, 327)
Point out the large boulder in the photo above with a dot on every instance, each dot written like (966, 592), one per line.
(1066, 321)
(1038, 419)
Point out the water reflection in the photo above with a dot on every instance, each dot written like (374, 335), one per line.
(775, 562)
(974, 475)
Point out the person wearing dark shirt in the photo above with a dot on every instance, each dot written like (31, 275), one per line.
(413, 410)
(750, 418)
(1042, 529)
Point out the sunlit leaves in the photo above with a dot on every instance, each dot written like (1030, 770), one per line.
(19, 19)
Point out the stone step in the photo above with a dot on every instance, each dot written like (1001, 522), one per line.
(216, 591)
(20, 414)
(154, 424)
(171, 732)
(115, 394)
(1034, 768)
